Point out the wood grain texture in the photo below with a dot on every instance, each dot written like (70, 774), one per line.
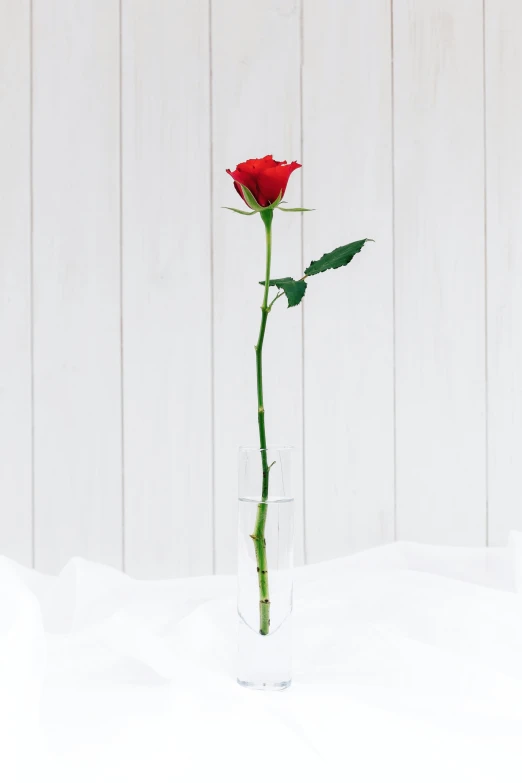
(440, 256)
(206, 84)
(503, 28)
(76, 282)
(256, 111)
(167, 288)
(347, 176)
(15, 282)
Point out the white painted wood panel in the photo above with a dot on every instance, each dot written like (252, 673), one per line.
(15, 282)
(503, 59)
(256, 111)
(439, 271)
(167, 278)
(76, 282)
(349, 467)
(144, 313)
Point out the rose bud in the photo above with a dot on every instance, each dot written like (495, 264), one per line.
(265, 178)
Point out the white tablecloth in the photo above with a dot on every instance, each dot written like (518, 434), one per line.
(408, 667)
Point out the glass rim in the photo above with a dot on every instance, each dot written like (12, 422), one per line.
(275, 447)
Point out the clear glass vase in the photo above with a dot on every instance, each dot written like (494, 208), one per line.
(265, 560)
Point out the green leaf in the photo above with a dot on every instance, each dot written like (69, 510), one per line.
(293, 289)
(239, 211)
(296, 209)
(337, 258)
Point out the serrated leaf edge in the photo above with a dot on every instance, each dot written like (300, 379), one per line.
(277, 282)
(307, 273)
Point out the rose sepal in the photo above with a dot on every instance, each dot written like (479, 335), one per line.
(252, 202)
(239, 211)
(295, 209)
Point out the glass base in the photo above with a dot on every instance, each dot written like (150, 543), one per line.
(265, 686)
(264, 662)
(265, 559)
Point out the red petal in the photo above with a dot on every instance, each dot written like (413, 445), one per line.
(239, 191)
(273, 181)
(243, 178)
(255, 165)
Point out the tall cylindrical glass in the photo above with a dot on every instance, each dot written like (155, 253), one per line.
(265, 560)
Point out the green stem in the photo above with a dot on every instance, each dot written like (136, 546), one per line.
(258, 536)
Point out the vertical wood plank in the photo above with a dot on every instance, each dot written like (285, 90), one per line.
(15, 283)
(503, 63)
(256, 111)
(439, 252)
(349, 468)
(167, 288)
(76, 282)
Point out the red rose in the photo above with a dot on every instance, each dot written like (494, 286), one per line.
(265, 178)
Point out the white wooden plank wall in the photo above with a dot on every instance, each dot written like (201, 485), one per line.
(76, 236)
(129, 301)
(15, 282)
(504, 254)
(167, 371)
(439, 271)
(256, 106)
(349, 318)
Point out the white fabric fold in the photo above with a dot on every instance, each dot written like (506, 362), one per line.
(408, 666)
(515, 549)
